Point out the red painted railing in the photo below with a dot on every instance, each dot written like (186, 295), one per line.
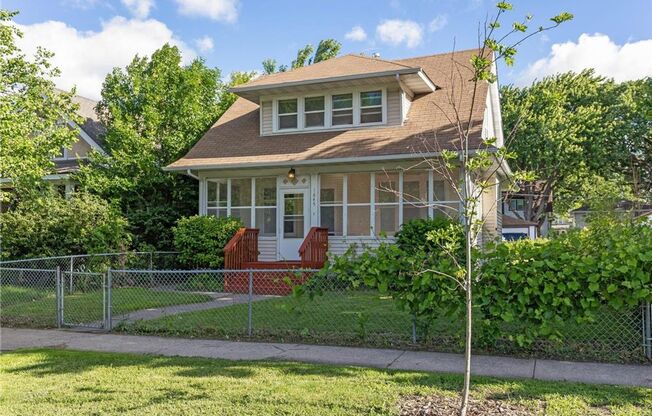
(242, 248)
(314, 248)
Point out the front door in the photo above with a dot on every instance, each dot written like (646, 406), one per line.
(295, 220)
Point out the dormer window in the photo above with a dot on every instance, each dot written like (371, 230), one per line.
(342, 110)
(371, 107)
(288, 114)
(314, 112)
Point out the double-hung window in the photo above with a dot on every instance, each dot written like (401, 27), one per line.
(241, 200)
(217, 197)
(288, 112)
(371, 107)
(314, 112)
(342, 110)
(331, 207)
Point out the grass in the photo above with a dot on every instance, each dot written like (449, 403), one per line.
(55, 382)
(37, 308)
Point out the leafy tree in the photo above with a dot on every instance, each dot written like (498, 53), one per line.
(33, 114)
(154, 110)
(573, 130)
(326, 49)
(236, 78)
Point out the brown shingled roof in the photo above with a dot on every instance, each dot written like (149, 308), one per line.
(235, 138)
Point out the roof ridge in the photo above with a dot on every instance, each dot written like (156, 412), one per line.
(380, 59)
(436, 54)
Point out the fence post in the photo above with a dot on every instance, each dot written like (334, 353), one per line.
(72, 263)
(59, 296)
(647, 330)
(151, 260)
(414, 329)
(109, 311)
(250, 301)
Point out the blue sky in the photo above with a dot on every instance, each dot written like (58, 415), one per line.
(91, 36)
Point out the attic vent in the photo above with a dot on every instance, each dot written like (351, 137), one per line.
(375, 55)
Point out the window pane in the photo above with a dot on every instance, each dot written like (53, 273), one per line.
(241, 192)
(314, 119)
(244, 214)
(287, 106)
(331, 189)
(371, 115)
(358, 188)
(287, 122)
(386, 219)
(342, 117)
(443, 191)
(358, 221)
(314, 104)
(411, 212)
(221, 212)
(216, 194)
(266, 221)
(293, 217)
(415, 187)
(266, 192)
(342, 101)
(446, 210)
(371, 98)
(386, 187)
(331, 218)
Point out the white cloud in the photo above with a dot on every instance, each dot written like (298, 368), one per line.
(396, 32)
(204, 44)
(139, 8)
(621, 62)
(438, 23)
(85, 57)
(225, 10)
(357, 33)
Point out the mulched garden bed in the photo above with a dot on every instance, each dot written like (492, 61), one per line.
(436, 405)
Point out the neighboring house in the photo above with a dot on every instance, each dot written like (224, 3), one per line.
(521, 207)
(89, 137)
(337, 145)
(622, 208)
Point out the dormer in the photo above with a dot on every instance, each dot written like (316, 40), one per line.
(349, 92)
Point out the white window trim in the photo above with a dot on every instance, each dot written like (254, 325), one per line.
(383, 108)
(328, 110)
(62, 157)
(304, 112)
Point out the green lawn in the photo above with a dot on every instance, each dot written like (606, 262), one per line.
(37, 308)
(57, 382)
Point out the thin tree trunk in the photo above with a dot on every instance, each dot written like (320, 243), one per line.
(468, 284)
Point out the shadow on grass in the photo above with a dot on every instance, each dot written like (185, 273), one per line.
(62, 362)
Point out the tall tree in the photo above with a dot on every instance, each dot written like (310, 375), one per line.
(565, 128)
(33, 114)
(154, 111)
(326, 49)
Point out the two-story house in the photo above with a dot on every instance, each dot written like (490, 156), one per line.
(340, 145)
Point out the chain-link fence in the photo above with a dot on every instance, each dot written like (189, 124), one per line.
(275, 305)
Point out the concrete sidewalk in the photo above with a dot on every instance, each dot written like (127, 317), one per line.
(597, 373)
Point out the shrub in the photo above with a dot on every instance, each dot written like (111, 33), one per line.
(200, 240)
(50, 225)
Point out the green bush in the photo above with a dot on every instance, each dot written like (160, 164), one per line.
(200, 239)
(51, 225)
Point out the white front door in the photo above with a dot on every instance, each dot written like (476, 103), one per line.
(295, 222)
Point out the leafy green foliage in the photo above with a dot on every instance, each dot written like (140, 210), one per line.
(326, 49)
(154, 110)
(51, 225)
(200, 239)
(32, 113)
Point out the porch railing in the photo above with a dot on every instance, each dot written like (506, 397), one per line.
(314, 247)
(242, 248)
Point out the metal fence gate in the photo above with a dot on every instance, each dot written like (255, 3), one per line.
(83, 300)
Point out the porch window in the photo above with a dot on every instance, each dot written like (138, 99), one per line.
(358, 204)
(314, 112)
(415, 195)
(371, 107)
(331, 192)
(266, 206)
(386, 203)
(287, 114)
(241, 200)
(217, 198)
(445, 199)
(342, 110)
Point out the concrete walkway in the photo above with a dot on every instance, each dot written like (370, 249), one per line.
(635, 375)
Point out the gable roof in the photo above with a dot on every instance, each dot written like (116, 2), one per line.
(234, 140)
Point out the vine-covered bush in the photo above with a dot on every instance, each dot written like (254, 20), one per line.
(50, 225)
(541, 283)
(200, 240)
